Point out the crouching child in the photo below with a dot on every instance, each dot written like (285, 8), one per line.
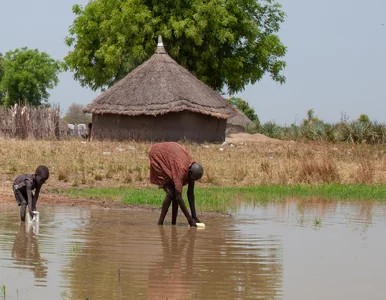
(23, 187)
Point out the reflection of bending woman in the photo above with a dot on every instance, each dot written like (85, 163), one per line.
(25, 250)
(170, 277)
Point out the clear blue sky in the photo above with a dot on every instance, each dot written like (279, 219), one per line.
(336, 58)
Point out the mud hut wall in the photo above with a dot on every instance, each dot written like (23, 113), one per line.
(169, 127)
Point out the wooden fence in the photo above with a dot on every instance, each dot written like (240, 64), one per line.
(29, 122)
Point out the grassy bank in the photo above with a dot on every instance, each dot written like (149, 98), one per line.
(253, 171)
(222, 199)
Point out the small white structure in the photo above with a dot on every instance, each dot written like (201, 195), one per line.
(71, 129)
(80, 130)
(77, 130)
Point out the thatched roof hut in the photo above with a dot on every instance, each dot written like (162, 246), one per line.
(238, 122)
(160, 100)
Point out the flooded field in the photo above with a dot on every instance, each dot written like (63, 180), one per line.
(277, 251)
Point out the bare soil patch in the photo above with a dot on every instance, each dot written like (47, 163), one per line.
(243, 137)
(48, 200)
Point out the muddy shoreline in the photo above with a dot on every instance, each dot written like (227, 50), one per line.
(7, 201)
(49, 200)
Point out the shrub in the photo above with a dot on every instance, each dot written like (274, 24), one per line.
(291, 133)
(272, 130)
(313, 131)
(253, 127)
(356, 132)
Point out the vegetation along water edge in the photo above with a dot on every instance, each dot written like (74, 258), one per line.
(223, 199)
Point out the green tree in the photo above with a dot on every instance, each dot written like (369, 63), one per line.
(75, 115)
(243, 106)
(225, 43)
(2, 70)
(28, 75)
(363, 118)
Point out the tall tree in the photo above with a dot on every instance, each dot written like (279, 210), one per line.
(225, 43)
(28, 75)
(75, 115)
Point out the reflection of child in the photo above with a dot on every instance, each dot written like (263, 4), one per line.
(23, 187)
(25, 250)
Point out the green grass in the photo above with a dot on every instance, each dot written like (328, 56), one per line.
(317, 221)
(221, 199)
(3, 291)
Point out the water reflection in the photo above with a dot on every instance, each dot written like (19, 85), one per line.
(262, 252)
(173, 262)
(170, 276)
(25, 251)
(305, 213)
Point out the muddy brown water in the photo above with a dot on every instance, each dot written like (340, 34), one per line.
(276, 251)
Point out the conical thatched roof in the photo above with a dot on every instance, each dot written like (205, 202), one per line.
(160, 86)
(238, 122)
(239, 118)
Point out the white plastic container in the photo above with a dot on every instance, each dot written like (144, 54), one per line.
(199, 225)
(35, 218)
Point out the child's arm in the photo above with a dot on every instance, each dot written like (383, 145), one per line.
(181, 203)
(28, 186)
(35, 197)
(192, 201)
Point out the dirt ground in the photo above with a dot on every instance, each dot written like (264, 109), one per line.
(243, 137)
(48, 200)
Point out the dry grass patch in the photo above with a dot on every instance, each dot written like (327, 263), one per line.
(322, 170)
(118, 164)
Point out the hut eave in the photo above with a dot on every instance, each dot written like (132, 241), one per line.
(146, 111)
